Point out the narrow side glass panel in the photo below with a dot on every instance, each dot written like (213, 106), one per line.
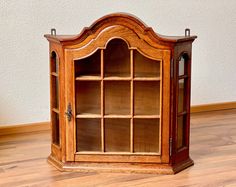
(54, 63)
(182, 64)
(117, 59)
(117, 97)
(55, 92)
(55, 128)
(145, 67)
(181, 128)
(146, 97)
(88, 135)
(89, 66)
(146, 135)
(182, 95)
(117, 135)
(88, 97)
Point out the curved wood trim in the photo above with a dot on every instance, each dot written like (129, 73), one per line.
(89, 46)
(128, 20)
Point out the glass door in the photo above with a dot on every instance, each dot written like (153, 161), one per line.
(116, 96)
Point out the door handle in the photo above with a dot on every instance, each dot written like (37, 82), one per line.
(68, 113)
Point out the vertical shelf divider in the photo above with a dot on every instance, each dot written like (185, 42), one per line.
(102, 102)
(132, 103)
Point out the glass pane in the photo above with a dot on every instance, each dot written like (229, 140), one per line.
(146, 135)
(55, 128)
(146, 97)
(117, 59)
(182, 95)
(182, 66)
(55, 92)
(117, 135)
(88, 135)
(54, 63)
(88, 97)
(145, 67)
(181, 131)
(117, 97)
(90, 66)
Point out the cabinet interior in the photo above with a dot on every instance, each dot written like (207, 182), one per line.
(118, 99)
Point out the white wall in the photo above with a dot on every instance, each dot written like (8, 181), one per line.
(24, 80)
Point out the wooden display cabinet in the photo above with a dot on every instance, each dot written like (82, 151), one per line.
(120, 98)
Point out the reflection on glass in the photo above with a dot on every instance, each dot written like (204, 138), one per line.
(145, 67)
(181, 131)
(181, 66)
(88, 97)
(54, 63)
(146, 98)
(55, 128)
(117, 135)
(55, 92)
(88, 135)
(89, 66)
(117, 59)
(146, 135)
(182, 95)
(117, 97)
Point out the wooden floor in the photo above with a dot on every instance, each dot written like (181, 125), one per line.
(213, 149)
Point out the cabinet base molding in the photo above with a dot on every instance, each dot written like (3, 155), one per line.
(120, 167)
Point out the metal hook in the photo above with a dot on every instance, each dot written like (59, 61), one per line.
(53, 32)
(187, 32)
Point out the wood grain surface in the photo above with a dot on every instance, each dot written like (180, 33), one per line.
(213, 149)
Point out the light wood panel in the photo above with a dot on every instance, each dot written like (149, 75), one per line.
(23, 159)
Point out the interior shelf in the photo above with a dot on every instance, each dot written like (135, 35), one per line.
(147, 79)
(147, 116)
(117, 59)
(117, 77)
(117, 116)
(117, 97)
(88, 133)
(89, 66)
(146, 98)
(89, 77)
(88, 97)
(88, 115)
(146, 135)
(117, 135)
(145, 67)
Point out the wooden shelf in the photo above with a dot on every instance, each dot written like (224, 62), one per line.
(117, 78)
(147, 116)
(116, 116)
(147, 79)
(88, 78)
(88, 115)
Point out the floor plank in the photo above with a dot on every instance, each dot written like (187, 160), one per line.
(213, 149)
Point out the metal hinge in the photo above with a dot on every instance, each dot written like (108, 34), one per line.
(170, 146)
(68, 113)
(172, 68)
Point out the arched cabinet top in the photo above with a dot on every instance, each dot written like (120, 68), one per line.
(119, 19)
